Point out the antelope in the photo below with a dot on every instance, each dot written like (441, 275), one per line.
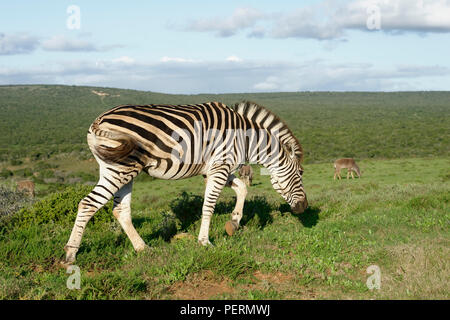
(347, 163)
(26, 186)
(246, 174)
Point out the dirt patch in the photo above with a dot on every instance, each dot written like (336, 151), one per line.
(276, 278)
(205, 285)
(200, 286)
(183, 235)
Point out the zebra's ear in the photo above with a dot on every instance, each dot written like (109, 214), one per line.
(293, 155)
(289, 150)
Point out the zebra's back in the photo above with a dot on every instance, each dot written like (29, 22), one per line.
(170, 142)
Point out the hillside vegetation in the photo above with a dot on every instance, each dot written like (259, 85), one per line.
(41, 120)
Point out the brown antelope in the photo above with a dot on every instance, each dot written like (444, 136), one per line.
(246, 174)
(26, 186)
(346, 163)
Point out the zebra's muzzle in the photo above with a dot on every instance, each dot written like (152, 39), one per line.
(300, 206)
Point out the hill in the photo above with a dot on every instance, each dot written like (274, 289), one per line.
(42, 120)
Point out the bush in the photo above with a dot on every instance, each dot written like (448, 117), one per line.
(62, 208)
(26, 172)
(5, 173)
(46, 174)
(11, 201)
(168, 227)
(187, 209)
(16, 162)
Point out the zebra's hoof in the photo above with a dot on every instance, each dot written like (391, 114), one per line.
(70, 256)
(205, 243)
(68, 261)
(231, 227)
(142, 247)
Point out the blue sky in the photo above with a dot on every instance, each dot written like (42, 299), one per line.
(232, 46)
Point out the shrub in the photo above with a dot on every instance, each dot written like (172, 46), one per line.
(46, 174)
(187, 209)
(16, 162)
(168, 227)
(11, 201)
(61, 207)
(5, 173)
(26, 172)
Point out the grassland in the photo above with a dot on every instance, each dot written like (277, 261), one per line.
(396, 216)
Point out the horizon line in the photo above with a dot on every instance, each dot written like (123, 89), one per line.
(223, 93)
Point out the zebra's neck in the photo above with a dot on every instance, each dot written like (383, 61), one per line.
(264, 148)
(270, 136)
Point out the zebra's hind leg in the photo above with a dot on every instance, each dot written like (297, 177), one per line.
(122, 212)
(87, 207)
(241, 192)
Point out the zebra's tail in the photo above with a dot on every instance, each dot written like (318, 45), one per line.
(110, 153)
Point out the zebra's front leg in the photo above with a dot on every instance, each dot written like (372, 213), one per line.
(122, 212)
(216, 180)
(241, 192)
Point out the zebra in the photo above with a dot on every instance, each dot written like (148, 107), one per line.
(182, 141)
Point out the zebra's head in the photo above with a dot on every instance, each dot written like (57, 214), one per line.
(358, 171)
(286, 179)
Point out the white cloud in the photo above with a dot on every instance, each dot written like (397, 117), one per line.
(22, 43)
(233, 58)
(330, 19)
(242, 18)
(17, 44)
(223, 76)
(123, 59)
(270, 84)
(398, 15)
(62, 43)
(175, 59)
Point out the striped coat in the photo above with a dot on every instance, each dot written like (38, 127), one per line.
(176, 142)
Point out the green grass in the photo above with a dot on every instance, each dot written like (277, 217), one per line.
(396, 216)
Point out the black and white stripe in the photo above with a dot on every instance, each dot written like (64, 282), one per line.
(176, 142)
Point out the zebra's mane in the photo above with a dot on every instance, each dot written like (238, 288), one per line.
(268, 120)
